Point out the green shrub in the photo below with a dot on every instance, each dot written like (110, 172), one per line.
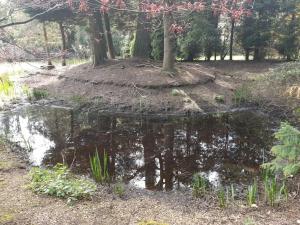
(287, 152)
(99, 170)
(59, 182)
(199, 185)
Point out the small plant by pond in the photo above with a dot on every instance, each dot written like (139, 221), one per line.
(59, 182)
(119, 190)
(242, 95)
(39, 94)
(222, 197)
(6, 86)
(34, 94)
(199, 185)
(287, 152)
(252, 194)
(273, 192)
(100, 169)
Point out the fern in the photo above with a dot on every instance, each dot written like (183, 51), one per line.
(287, 152)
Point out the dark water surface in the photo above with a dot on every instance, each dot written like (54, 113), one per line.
(152, 153)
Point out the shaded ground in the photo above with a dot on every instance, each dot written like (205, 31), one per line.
(133, 86)
(19, 205)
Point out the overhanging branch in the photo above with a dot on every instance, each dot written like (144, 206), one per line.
(32, 18)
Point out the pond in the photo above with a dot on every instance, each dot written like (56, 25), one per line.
(156, 153)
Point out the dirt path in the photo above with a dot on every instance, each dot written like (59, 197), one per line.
(18, 205)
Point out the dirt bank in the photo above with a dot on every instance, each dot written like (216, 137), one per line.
(135, 86)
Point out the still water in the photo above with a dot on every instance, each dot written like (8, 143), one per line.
(156, 153)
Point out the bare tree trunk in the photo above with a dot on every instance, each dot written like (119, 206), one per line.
(247, 54)
(50, 65)
(64, 45)
(142, 42)
(231, 39)
(169, 57)
(109, 40)
(98, 41)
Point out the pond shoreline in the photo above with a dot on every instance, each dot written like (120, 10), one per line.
(20, 206)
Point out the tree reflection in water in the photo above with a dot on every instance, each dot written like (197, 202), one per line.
(152, 153)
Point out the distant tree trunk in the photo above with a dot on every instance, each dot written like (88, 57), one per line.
(247, 54)
(142, 42)
(109, 40)
(64, 45)
(169, 43)
(231, 39)
(50, 65)
(98, 41)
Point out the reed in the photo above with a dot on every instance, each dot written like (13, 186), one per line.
(100, 169)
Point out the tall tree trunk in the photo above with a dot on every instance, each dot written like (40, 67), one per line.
(247, 55)
(64, 45)
(98, 41)
(142, 42)
(169, 43)
(231, 39)
(108, 35)
(50, 65)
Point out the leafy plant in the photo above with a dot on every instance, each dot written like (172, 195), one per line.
(119, 190)
(252, 194)
(287, 152)
(199, 185)
(99, 169)
(61, 183)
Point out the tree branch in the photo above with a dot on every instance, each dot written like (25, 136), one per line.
(32, 18)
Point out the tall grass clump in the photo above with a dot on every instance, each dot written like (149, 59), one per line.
(242, 95)
(222, 197)
(274, 192)
(252, 194)
(200, 185)
(59, 182)
(100, 169)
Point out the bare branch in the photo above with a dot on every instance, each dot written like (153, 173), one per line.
(32, 18)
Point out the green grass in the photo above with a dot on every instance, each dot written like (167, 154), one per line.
(39, 94)
(100, 169)
(60, 182)
(242, 95)
(200, 185)
(222, 197)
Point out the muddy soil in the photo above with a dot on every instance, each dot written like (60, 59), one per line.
(140, 87)
(18, 205)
